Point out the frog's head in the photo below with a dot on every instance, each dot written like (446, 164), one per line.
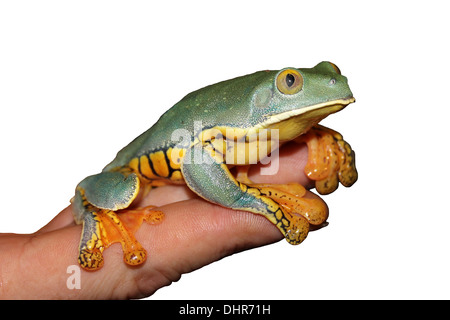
(296, 99)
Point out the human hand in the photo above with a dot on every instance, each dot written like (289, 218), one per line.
(193, 234)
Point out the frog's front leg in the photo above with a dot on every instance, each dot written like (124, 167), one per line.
(96, 200)
(206, 173)
(330, 159)
(291, 196)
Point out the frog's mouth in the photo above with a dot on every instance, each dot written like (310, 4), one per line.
(294, 123)
(254, 143)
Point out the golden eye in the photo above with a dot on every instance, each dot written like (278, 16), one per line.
(289, 81)
(335, 67)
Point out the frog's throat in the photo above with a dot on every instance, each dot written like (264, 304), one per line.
(291, 124)
(252, 144)
(288, 125)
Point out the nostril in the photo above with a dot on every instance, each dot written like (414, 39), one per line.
(332, 82)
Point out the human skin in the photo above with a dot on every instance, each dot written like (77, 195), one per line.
(194, 233)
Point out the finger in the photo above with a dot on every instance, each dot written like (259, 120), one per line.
(289, 164)
(161, 196)
(62, 220)
(291, 161)
(193, 234)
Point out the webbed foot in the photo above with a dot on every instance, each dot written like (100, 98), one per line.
(330, 159)
(102, 227)
(126, 223)
(296, 212)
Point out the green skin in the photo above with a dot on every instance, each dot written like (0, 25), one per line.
(247, 102)
(243, 102)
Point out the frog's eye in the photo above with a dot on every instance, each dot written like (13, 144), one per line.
(335, 67)
(289, 81)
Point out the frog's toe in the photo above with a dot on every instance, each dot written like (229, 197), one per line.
(296, 211)
(348, 173)
(90, 259)
(330, 159)
(292, 198)
(297, 231)
(136, 257)
(327, 185)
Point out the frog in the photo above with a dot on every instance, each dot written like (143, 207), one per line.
(211, 132)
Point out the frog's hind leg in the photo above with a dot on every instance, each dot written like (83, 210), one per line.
(102, 226)
(123, 229)
(91, 245)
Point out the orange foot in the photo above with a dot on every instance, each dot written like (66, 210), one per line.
(104, 227)
(298, 212)
(330, 159)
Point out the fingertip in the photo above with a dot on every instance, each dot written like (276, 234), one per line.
(62, 220)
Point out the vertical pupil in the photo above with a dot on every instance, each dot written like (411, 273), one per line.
(290, 79)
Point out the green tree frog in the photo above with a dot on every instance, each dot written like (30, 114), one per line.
(234, 123)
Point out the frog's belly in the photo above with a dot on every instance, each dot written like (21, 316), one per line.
(164, 166)
(244, 153)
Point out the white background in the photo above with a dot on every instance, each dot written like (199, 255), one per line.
(80, 79)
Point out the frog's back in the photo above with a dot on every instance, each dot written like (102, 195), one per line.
(220, 104)
(153, 140)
